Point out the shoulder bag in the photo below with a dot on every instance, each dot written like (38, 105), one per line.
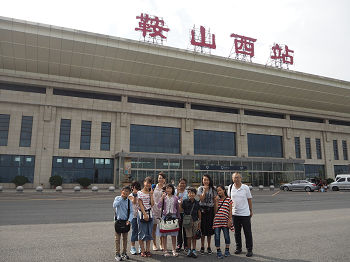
(168, 224)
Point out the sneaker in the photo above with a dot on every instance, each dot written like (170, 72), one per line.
(227, 252)
(133, 251)
(238, 251)
(125, 256)
(249, 254)
(118, 257)
(186, 249)
(194, 253)
(139, 250)
(219, 254)
(202, 251)
(178, 249)
(189, 253)
(209, 251)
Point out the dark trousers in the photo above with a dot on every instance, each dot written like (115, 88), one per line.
(239, 222)
(181, 237)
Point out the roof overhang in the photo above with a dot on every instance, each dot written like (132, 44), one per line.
(49, 50)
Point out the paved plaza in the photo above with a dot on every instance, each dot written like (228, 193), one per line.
(287, 227)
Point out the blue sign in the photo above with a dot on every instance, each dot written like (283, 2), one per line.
(215, 167)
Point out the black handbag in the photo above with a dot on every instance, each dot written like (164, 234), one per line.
(120, 225)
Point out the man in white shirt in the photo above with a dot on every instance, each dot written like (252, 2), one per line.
(242, 211)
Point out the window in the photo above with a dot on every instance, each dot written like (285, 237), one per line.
(208, 142)
(65, 133)
(341, 179)
(348, 179)
(341, 169)
(26, 131)
(90, 95)
(97, 170)
(306, 119)
(23, 88)
(339, 122)
(105, 136)
(85, 137)
(308, 148)
(155, 102)
(312, 171)
(15, 165)
(4, 129)
(154, 139)
(265, 145)
(318, 148)
(263, 114)
(335, 150)
(214, 109)
(297, 147)
(345, 150)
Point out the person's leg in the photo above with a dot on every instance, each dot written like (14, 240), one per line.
(238, 227)
(180, 238)
(247, 233)
(117, 243)
(142, 234)
(209, 241)
(154, 230)
(164, 241)
(217, 237)
(226, 232)
(173, 242)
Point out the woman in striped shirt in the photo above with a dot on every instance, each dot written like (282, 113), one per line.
(222, 220)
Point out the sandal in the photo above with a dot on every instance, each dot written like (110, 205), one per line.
(175, 254)
(143, 254)
(148, 254)
(166, 254)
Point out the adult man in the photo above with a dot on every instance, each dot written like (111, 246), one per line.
(241, 213)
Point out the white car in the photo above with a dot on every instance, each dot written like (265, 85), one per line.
(341, 183)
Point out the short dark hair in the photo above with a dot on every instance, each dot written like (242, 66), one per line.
(148, 179)
(192, 189)
(172, 188)
(136, 184)
(126, 188)
(223, 188)
(162, 174)
(183, 179)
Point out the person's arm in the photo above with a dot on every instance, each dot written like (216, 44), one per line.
(161, 201)
(131, 215)
(177, 207)
(117, 202)
(250, 203)
(216, 201)
(199, 219)
(142, 207)
(230, 216)
(151, 196)
(181, 207)
(202, 194)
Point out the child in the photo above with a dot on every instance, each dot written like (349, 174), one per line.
(191, 207)
(181, 193)
(222, 220)
(123, 211)
(144, 216)
(135, 187)
(170, 206)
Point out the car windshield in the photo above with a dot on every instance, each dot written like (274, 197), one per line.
(342, 179)
(295, 182)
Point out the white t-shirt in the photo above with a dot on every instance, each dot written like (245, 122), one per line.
(240, 198)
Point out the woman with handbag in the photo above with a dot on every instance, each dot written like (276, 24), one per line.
(157, 195)
(207, 194)
(145, 220)
(169, 225)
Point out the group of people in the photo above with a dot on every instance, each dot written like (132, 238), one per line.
(198, 214)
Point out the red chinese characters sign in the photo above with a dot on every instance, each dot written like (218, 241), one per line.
(154, 26)
(203, 39)
(285, 56)
(244, 45)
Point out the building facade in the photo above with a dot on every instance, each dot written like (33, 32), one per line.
(78, 104)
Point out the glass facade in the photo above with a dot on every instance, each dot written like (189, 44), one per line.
(208, 142)
(99, 170)
(312, 171)
(297, 147)
(26, 131)
(155, 139)
(65, 133)
(4, 129)
(265, 145)
(318, 148)
(335, 150)
(345, 150)
(105, 136)
(85, 137)
(16, 165)
(308, 148)
(341, 169)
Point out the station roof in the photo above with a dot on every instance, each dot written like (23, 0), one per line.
(50, 50)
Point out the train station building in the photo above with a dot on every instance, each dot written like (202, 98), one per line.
(80, 104)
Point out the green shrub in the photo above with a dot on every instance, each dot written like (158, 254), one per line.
(56, 180)
(20, 180)
(330, 180)
(84, 182)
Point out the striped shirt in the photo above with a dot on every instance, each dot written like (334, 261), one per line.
(145, 198)
(222, 215)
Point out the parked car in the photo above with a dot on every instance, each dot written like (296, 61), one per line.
(341, 175)
(299, 185)
(341, 183)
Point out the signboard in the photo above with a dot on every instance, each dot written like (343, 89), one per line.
(228, 168)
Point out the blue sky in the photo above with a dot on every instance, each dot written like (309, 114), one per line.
(317, 30)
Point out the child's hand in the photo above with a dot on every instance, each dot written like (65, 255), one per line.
(127, 223)
(163, 195)
(145, 217)
(217, 198)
